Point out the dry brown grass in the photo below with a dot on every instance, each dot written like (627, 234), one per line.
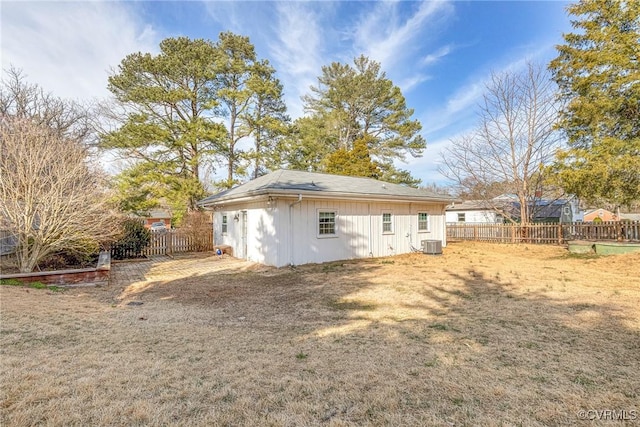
(483, 335)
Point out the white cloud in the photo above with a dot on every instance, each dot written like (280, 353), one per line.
(434, 57)
(409, 83)
(69, 48)
(227, 15)
(297, 51)
(383, 36)
(305, 33)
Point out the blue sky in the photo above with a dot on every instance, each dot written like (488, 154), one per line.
(439, 53)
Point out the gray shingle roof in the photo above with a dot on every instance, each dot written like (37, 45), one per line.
(310, 183)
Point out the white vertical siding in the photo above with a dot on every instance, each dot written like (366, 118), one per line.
(261, 242)
(276, 238)
(233, 236)
(472, 216)
(262, 239)
(359, 230)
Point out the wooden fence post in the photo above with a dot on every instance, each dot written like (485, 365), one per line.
(559, 233)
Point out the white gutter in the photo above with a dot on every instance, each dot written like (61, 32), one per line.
(332, 195)
(291, 240)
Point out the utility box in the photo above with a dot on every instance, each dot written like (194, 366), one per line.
(431, 247)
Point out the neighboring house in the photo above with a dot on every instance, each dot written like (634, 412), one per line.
(294, 217)
(477, 211)
(560, 210)
(598, 215)
(603, 215)
(472, 211)
(158, 215)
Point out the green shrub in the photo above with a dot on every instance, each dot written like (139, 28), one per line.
(135, 237)
(37, 285)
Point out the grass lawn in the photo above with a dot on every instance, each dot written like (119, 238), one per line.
(482, 335)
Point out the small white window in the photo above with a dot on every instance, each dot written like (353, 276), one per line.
(387, 223)
(224, 223)
(461, 217)
(423, 221)
(326, 223)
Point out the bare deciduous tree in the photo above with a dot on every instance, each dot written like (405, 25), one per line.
(29, 101)
(50, 198)
(514, 139)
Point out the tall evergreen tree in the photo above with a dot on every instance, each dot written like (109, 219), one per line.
(360, 102)
(354, 162)
(188, 108)
(267, 119)
(598, 72)
(168, 131)
(234, 67)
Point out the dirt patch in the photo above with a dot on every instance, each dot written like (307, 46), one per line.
(482, 335)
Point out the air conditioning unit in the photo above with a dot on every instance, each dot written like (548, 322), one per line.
(431, 247)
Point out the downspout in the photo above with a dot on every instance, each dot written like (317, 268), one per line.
(291, 241)
(370, 235)
(444, 225)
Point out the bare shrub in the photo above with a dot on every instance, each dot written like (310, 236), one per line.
(197, 226)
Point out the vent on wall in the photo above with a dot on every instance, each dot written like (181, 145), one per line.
(431, 247)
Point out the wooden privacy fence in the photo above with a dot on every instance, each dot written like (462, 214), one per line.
(173, 241)
(545, 233)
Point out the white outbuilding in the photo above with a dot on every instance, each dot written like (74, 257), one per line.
(295, 217)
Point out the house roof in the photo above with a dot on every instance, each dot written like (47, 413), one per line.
(597, 210)
(470, 205)
(542, 208)
(292, 183)
(630, 216)
(159, 213)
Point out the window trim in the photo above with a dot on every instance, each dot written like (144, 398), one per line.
(391, 222)
(428, 221)
(335, 223)
(464, 216)
(224, 228)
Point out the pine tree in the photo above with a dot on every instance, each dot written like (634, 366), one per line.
(168, 130)
(598, 72)
(359, 102)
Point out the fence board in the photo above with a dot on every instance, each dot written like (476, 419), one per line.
(168, 242)
(545, 233)
(174, 241)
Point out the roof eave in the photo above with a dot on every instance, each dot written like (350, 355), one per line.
(327, 195)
